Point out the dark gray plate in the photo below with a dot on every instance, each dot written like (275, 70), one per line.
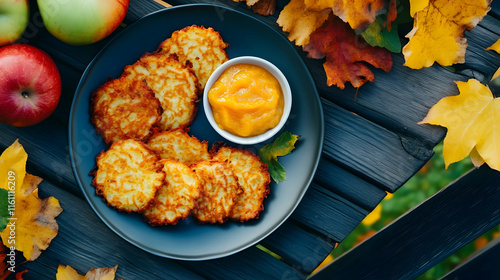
(246, 35)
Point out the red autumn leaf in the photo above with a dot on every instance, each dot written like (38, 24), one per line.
(392, 13)
(346, 54)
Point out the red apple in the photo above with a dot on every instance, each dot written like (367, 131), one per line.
(81, 22)
(30, 85)
(14, 17)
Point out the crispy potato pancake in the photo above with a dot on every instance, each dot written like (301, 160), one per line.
(175, 200)
(219, 189)
(177, 144)
(173, 84)
(201, 48)
(128, 175)
(253, 177)
(122, 109)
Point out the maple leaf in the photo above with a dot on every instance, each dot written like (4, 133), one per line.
(359, 14)
(345, 54)
(494, 47)
(438, 32)
(473, 122)
(417, 5)
(300, 22)
(33, 219)
(282, 146)
(68, 273)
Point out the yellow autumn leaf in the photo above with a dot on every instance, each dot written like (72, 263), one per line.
(417, 5)
(68, 273)
(359, 14)
(300, 22)
(438, 32)
(32, 225)
(494, 47)
(475, 158)
(13, 159)
(473, 122)
(496, 74)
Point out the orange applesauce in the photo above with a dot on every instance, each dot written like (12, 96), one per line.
(246, 100)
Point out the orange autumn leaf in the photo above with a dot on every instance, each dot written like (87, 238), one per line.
(359, 14)
(438, 32)
(392, 13)
(473, 122)
(68, 273)
(33, 219)
(300, 22)
(261, 7)
(346, 54)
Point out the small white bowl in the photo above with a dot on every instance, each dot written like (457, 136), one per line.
(285, 88)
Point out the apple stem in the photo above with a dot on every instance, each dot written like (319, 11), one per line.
(25, 94)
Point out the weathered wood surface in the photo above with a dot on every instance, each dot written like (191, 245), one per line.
(372, 144)
(483, 264)
(429, 233)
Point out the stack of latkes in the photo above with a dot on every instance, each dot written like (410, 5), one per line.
(153, 166)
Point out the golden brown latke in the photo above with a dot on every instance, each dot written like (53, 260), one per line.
(177, 144)
(122, 109)
(219, 189)
(201, 48)
(128, 175)
(175, 200)
(253, 177)
(174, 84)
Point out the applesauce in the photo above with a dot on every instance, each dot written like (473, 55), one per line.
(246, 100)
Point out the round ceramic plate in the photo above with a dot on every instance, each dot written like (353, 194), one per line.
(246, 35)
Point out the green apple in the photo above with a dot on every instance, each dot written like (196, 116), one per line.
(14, 17)
(82, 22)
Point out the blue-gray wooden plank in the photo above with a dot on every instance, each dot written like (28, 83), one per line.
(427, 234)
(482, 264)
(84, 242)
(372, 105)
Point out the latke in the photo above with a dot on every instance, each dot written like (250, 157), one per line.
(174, 201)
(201, 48)
(173, 84)
(122, 109)
(177, 144)
(253, 177)
(128, 175)
(219, 189)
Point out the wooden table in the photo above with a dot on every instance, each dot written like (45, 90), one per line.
(372, 145)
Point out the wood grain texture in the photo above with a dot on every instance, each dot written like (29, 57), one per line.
(84, 241)
(369, 150)
(427, 234)
(347, 185)
(309, 248)
(325, 212)
(373, 144)
(482, 264)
